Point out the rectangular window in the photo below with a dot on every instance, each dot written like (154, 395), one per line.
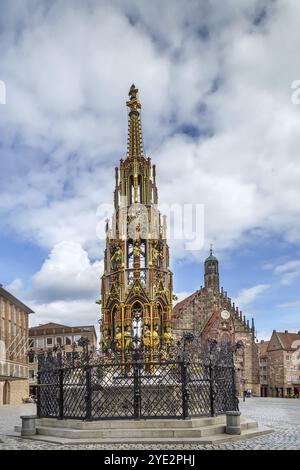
(31, 373)
(68, 340)
(59, 341)
(40, 342)
(30, 358)
(77, 338)
(49, 342)
(31, 343)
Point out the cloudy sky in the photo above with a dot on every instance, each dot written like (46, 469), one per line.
(215, 81)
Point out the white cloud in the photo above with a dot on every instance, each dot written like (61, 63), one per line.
(288, 271)
(247, 296)
(71, 313)
(291, 304)
(15, 286)
(66, 119)
(67, 274)
(208, 66)
(65, 289)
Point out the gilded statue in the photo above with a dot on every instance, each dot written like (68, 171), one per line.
(168, 337)
(116, 258)
(105, 342)
(136, 250)
(127, 337)
(155, 338)
(118, 338)
(147, 337)
(155, 253)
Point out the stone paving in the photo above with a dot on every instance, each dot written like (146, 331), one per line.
(283, 415)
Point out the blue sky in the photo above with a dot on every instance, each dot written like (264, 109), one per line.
(218, 120)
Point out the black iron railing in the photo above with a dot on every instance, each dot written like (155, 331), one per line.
(136, 386)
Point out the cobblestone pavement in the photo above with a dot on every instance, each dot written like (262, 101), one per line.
(283, 415)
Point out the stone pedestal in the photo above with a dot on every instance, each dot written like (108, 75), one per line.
(28, 425)
(233, 422)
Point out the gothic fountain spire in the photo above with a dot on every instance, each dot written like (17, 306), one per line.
(135, 148)
(137, 280)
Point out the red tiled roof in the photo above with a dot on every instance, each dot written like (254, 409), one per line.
(263, 348)
(183, 303)
(56, 326)
(47, 326)
(287, 339)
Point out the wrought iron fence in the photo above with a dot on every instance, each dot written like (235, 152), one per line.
(137, 385)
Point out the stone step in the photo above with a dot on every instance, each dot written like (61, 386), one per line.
(137, 433)
(131, 424)
(207, 440)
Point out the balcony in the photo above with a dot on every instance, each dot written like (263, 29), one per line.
(12, 370)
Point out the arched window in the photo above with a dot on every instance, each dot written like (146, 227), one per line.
(130, 255)
(140, 189)
(225, 339)
(212, 268)
(131, 190)
(113, 319)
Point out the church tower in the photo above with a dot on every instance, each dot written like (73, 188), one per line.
(211, 272)
(137, 281)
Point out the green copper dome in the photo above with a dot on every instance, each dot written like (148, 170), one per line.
(211, 257)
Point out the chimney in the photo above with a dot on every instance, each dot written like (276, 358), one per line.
(285, 332)
(262, 340)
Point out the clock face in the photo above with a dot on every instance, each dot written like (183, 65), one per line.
(225, 314)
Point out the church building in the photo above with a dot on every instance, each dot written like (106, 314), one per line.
(210, 313)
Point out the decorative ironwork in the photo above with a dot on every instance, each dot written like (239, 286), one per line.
(135, 384)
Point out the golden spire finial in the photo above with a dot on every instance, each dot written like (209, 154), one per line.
(135, 140)
(133, 103)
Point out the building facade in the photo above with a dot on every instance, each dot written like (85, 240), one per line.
(52, 336)
(14, 315)
(210, 313)
(136, 292)
(284, 364)
(263, 367)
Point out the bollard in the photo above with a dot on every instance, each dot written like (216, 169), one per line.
(28, 425)
(233, 422)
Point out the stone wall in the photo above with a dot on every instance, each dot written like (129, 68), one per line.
(12, 392)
